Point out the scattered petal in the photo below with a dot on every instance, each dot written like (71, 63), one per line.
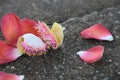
(97, 31)
(11, 28)
(27, 26)
(8, 53)
(57, 30)
(46, 35)
(31, 45)
(92, 55)
(9, 76)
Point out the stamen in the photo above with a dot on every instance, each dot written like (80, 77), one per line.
(46, 35)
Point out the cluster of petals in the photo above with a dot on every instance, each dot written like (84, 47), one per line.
(98, 32)
(26, 36)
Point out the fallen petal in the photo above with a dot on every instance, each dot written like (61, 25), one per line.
(11, 28)
(9, 76)
(92, 55)
(31, 45)
(97, 31)
(46, 35)
(8, 53)
(27, 26)
(57, 30)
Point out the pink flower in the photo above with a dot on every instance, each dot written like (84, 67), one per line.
(97, 31)
(8, 76)
(27, 36)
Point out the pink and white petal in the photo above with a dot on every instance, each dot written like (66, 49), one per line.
(9, 76)
(11, 28)
(8, 53)
(92, 55)
(97, 31)
(31, 45)
(27, 26)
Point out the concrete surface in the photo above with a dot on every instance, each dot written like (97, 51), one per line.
(54, 10)
(63, 63)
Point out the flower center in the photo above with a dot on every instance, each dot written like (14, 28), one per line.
(46, 35)
(31, 45)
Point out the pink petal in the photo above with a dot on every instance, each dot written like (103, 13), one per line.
(92, 55)
(8, 76)
(27, 26)
(11, 29)
(8, 53)
(97, 31)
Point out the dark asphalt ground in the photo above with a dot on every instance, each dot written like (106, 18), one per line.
(63, 63)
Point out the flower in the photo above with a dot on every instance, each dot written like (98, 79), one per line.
(97, 31)
(9, 76)
(27, 36)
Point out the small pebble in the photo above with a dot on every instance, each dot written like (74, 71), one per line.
(110, 60)
(106, 78)
(12, 67)
(97, 71)
(119, 73)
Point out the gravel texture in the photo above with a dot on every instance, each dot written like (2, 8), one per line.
(54, 10)
(63, 63)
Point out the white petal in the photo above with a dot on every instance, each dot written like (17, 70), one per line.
(33, 40)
